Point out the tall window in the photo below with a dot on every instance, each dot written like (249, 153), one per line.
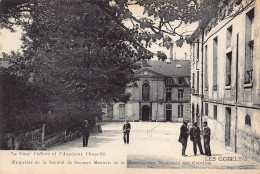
(228, 68)
(229, 37)
(193, 79)
(206, 67)
(198, 50)
(180, 111)
(206, 109)
(145, 91)
(198, 81)
(193, 52)
(180, 94)
(215, 112)
(249, 46)
(215, 63)
(168, 94)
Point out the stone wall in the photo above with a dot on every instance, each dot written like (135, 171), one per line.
(248, 145)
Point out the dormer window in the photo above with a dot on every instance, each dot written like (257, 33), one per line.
(178, 66)
(169, 81)
(180, 80)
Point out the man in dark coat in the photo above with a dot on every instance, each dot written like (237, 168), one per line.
(206, 138)
(85, 132)
(126, 131)
(195, 137)
(184, 134)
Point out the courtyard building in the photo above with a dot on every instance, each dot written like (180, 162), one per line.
(162, 93)
(225, 78)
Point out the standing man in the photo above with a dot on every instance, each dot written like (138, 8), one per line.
(126, 131)
(85, 132)
(195, 137)
(206, 138)
(184, 134)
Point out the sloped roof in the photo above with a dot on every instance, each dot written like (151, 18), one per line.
(170, 69)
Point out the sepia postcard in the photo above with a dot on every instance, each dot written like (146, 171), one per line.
(129, 86)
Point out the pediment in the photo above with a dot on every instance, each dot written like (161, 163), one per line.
(146, 72)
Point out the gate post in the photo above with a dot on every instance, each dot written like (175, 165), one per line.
(43, 133)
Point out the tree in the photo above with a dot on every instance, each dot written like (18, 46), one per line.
(81, 52)
(79, 55)
(19, 103)
(162, 18)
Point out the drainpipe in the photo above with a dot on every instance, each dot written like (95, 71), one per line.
(237, 46)
(157, 101)
(202, 90)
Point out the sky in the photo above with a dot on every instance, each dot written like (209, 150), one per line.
(12, 41)
(179, 52)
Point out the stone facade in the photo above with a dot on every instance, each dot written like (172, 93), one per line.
(225, 80)
(154, 99)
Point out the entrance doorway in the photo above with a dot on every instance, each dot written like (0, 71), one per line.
(168, 112)
(145, 113)
(192, 113)
(227, 127)
(197, 115)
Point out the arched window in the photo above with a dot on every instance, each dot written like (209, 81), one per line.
(248, 120)
(145, 91)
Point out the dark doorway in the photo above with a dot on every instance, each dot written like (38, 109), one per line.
(145, 113)
(168, 112)
(197, 115)
(227, 126)
(192, 112)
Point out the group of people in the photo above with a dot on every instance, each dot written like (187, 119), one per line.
(185, 132)
(195, 137)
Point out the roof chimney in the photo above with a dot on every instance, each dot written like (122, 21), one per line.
(171, 52)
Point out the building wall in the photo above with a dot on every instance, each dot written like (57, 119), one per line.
(223, 92)
(157, 100)
(136, 110)
(196, 68)
(248, 142)
(224, 97)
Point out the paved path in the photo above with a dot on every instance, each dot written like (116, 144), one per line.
(153, 145)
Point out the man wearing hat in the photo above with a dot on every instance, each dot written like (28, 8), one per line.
(126, 131)
(206, 138)
(184, 134)
(85, 132)
(195, 137)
